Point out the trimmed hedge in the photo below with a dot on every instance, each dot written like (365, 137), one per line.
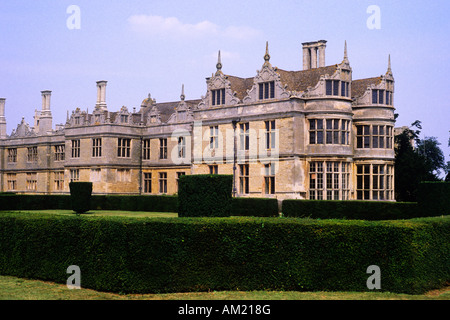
(434, 197)
(80, 196)
(205, 195)
(362, 210)
(179, 255)
(255, 207)
(149, 203)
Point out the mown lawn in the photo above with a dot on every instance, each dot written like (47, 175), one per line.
(12, 288)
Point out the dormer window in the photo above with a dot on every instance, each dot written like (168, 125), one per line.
(218, 97)
(124, 118)
(332, 88)
(267, 90)
(381, 96)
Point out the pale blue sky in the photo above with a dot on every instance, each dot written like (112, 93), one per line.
(143, 47)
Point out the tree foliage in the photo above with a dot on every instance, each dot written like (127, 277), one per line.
(416, 160)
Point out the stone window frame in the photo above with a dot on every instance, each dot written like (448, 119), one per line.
(367, 137)
(60, 152)
(12, 155)
(213, 169)
(74, 175)
(96, 147)
(163, 148)
(11, 181)
(374, 182)
(329, 180)
(32, 154)
(146, 149)
(320, 133)
(337, 88)
(266, 90)
(213, 137)
(269, 178)
(124, 147)
(163, 182)
(76, 148)
(244, 136)
(58, 180)
(218, 97)
(244, 178)
(270, 134)
(147, 182)
(31, 181)
(181, 145)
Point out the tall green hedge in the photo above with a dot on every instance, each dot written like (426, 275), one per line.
(363, 210)
(206, 195)
(199, 254)
(151, 203)
(256, 207)
(80, 196)
(434, 197)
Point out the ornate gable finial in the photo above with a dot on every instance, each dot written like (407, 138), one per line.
(389, 70)
(182, 97)
(267, 55)
(345, 51)
(219, 64)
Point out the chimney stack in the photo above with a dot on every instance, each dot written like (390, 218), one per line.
(101, 95)
(314, 54)
(43, 120)
(2, 119)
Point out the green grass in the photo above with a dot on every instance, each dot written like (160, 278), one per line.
(12, 288)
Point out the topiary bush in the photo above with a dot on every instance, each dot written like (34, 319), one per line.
(205, 195)
(80, 195)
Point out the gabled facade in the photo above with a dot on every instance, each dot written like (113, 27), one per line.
(310, 134)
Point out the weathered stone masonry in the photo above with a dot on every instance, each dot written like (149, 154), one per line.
(309, 134)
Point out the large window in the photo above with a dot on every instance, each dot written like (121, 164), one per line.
(374, 182)
(270, 134)
(329, 131)
(11, 179)
(75, 148)
(267, 90)
(181, 147)
(336, 88)
(381, 97)
(97, 147)
(218, 97)
(147, 182)
(244, 136)
(244, 179)
(163, 182)
(31, 181)
(123, 148)
(75, 175)
(374, 136)
(32, 154)
(59, 181)
(146, 149)
(269, 178)
(12, 155)
(213, 137)
(329, 180)
(60, 152)
(163, 148)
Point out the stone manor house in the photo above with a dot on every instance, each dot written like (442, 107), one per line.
(309, 134)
